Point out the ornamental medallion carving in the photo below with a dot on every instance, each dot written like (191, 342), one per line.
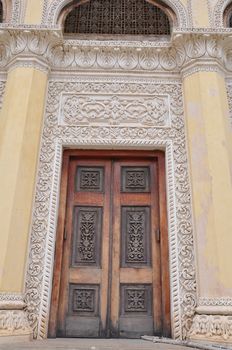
(170, 138)
(83, 300)
(136, 298)
(135, 179)
(90, 179)
(141, 110)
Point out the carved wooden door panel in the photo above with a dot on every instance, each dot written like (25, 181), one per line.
(85, 269)
(136, 283)
(110, 278)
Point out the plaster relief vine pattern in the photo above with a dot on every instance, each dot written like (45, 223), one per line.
(212, 326)
(39, 275)
(141, 110)
(13, 322)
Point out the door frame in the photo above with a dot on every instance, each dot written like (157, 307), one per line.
(164, 243)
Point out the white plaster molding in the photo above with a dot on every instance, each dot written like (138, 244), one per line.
(2, 90)
(214, 306)
(210, 13)
(29, 62)
(190, 13)
(51, 13)
(212, 328)
(214, 310)
(55, 137)
(12, 301)
(16, 11)
(117, 56)
(199, 66)
(229, 97)
(221, 301)
(218, 12)
(13, 319)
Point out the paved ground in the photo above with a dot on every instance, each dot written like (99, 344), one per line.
(88, 344)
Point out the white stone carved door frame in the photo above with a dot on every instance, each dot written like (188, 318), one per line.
(163, 129)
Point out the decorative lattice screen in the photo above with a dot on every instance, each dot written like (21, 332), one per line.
(1, 12)
(230, 20)
(117, 17)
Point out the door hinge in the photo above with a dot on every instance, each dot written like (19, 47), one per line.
(157, 234)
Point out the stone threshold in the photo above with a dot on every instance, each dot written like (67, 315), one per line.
(188, 343)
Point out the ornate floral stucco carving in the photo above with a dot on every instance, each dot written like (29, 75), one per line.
(13, 319)
(13, 322)
(171, 138)
(208, 327)
(117, 109)
(52, 11)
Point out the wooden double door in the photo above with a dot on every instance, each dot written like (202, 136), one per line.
(111, 264)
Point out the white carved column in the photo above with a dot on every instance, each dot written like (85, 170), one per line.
(20, 133)
(210, 160)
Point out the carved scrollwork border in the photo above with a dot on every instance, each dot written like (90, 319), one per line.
(2, 89)
(54, 138)
(229, 96)
(51, 12)
(17, 7)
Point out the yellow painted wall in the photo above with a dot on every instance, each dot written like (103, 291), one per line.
(210, 153)
(20, 126)
(34, 11)
(200, 13)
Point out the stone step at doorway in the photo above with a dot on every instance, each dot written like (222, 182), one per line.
(90, 344)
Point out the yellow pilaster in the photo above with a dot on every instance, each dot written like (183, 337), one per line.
(34, 11)
(20, 130)
(210, 153)
(200, 13)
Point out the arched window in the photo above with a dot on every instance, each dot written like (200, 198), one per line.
(1, 12)
(116, 17)
(228, 16)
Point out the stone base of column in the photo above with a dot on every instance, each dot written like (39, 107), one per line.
(212, 328)
(14, 326)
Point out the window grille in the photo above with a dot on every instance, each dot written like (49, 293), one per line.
(1, 12)
(230, 20)
(134, 17)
